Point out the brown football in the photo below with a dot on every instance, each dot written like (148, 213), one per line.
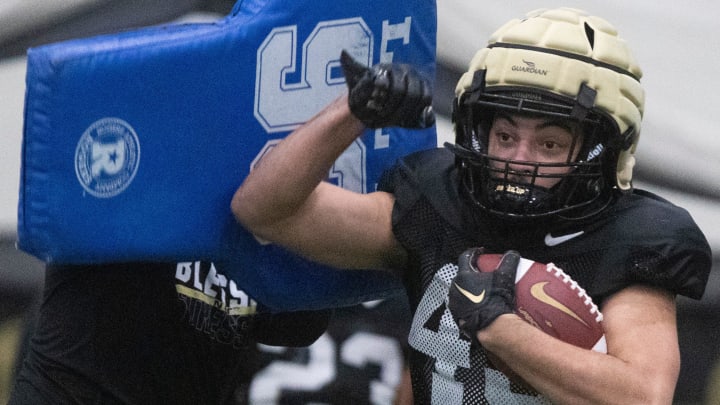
(549, 299)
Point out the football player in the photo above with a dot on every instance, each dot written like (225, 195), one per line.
(547, 120)
(148, 333)
(360, 359)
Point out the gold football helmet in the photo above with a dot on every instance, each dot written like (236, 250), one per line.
(562, 63)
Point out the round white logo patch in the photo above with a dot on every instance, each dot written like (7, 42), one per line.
(107, 157)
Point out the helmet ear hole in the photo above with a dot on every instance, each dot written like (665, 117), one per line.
(590, 35)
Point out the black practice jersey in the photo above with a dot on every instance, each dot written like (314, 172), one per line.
(360, 359)
(641, 238)
(179, 333)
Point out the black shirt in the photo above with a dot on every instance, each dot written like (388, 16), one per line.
(360, 359)
(148, 333)
(641, 238)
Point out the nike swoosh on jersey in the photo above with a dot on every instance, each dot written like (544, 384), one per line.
(476, 299)
(538, 291)
(556, 240)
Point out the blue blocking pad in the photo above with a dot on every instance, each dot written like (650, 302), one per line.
(135, 142)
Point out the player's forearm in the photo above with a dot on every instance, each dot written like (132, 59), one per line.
(567, 374)
(286, 176)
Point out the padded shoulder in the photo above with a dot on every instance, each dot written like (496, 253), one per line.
(671, 251)
(431, 175)
(645, 239)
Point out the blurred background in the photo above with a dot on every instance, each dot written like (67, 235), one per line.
(674, 43)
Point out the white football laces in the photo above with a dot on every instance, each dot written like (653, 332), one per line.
(559, 273)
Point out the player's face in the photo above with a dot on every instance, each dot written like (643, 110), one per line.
(534, 139)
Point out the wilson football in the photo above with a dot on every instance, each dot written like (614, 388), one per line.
(549, 299)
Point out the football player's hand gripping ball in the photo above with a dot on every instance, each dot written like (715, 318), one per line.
(387, 94)
(477, 298)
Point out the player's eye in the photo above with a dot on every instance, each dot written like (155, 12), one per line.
(550, 145)
(503, 138)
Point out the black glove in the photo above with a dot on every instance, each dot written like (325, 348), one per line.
(388, 94)
(477, 298)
